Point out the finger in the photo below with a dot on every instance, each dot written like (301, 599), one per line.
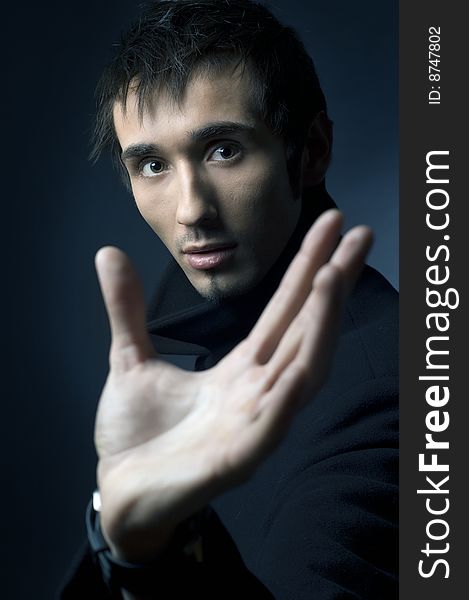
(350, 255)
(295, 287)
(295, 373)
(305, 374)
(318, 320)
(318, 344)
(123, 296)
(274, 414)
(315, 326)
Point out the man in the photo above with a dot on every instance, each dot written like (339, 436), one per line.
(239, 478)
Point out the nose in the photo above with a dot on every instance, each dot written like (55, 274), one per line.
(196, 204)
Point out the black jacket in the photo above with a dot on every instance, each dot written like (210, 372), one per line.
(318, 520)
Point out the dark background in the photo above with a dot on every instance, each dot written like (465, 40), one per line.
(60, 210)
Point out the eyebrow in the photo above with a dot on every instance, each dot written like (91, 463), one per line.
(206, 132)
(219, 128)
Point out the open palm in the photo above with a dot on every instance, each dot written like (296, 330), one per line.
(169, 440)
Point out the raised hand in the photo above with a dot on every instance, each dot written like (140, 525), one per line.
(169, 440)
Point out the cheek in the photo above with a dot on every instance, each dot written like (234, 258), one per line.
(156, 213)
(260, 195)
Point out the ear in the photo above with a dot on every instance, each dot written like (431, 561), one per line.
(317, 151)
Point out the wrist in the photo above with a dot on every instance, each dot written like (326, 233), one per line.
(131, 542)
(183, 551)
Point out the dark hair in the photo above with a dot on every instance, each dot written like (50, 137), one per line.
(173, 39)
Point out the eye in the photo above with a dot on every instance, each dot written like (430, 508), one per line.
(225, 152)
(150, 168)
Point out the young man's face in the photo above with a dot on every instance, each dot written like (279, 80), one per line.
(211, 180)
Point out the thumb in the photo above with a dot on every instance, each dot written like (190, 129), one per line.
(123, 296)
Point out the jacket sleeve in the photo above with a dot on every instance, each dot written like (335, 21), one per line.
(335, 539)
(212, 569)
(329, 530)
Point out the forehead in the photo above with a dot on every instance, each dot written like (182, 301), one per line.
(225, 96)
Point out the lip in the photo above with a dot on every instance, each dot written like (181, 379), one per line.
(194, 249)
(209, 256)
